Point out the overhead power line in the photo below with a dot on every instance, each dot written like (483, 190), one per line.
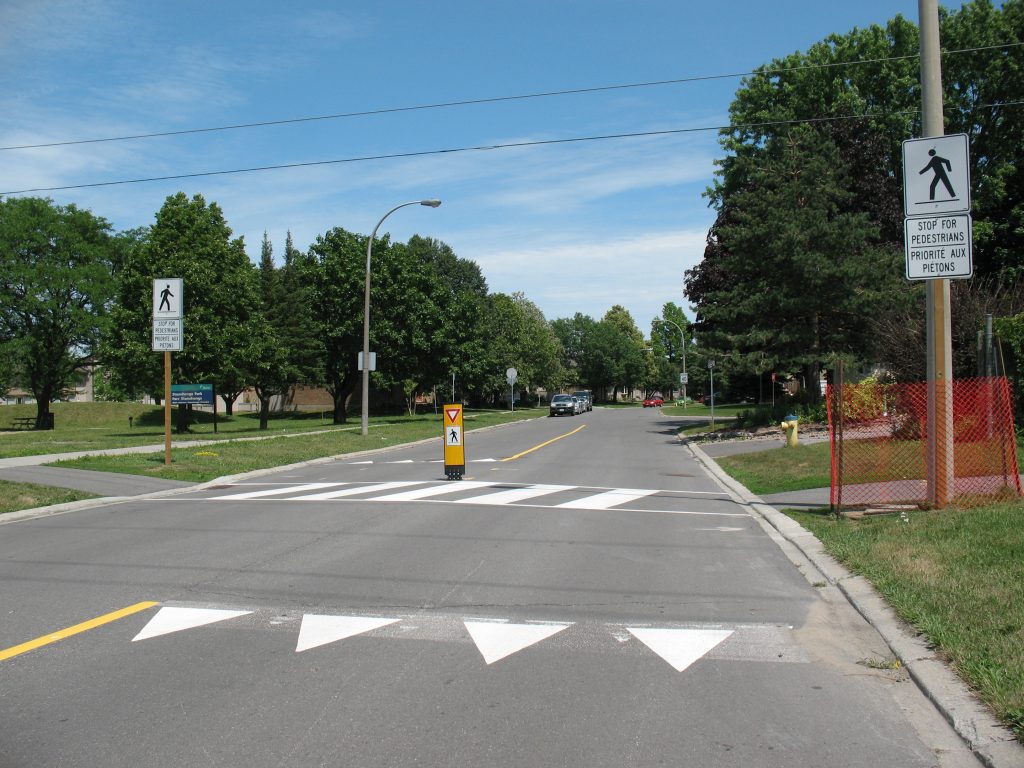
(482, 147)
(488, 100)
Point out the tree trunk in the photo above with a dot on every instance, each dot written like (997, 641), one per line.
(44, 419)
(264, 411)
(229, 402)
(813, 369)
(182, 420)
(340, 394)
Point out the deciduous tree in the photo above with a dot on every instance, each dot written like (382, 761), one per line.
(56, 286)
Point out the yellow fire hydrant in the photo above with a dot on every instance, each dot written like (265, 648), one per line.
(789, 426)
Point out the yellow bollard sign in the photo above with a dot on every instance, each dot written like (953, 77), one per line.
(454, 449)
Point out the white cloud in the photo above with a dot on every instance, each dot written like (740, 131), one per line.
(640, 271)
(329, 26)
(53, 25)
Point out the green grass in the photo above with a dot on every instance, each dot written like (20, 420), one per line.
(15, 496)
(955, 575)
(93, 426)
(703, 427)
(728, 410)
(781, 469)
(202, 463)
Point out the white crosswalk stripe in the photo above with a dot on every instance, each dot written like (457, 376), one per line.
(355, 490)
(435, 490)
(513, 495)
(612, 498)
(279, 491)
(492, 493)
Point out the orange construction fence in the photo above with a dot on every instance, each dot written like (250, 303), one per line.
(880, 445)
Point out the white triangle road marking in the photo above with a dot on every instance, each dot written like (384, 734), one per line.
(317, 630)
(170, 619)
(679, 647)
(497, 640)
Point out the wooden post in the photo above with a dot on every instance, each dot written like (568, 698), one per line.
(937, 310)
(837, 419)
(167, 409)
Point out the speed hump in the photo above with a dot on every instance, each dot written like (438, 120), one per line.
(454, 449)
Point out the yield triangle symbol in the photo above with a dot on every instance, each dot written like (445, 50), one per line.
(169, 620)
(453, 413)
(679, 647)
(321, 630)
(497, 640)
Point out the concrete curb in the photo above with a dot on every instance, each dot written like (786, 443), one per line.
(991, 742)
(99, 501)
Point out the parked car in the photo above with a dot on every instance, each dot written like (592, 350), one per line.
(563, 404)
(584, 397)
(654, 401)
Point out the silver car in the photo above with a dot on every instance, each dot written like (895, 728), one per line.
(563, 404)
(584, 397)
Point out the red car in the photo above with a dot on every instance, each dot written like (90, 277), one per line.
(654, 401)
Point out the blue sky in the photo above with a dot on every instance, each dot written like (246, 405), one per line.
(577, 227)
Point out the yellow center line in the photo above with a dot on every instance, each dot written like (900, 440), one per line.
(61, 634)
(549, 442)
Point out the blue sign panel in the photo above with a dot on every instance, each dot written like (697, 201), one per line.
(191, 394)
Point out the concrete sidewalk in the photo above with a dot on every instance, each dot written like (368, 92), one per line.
(100, 483)
(808, 499)
(29, 469)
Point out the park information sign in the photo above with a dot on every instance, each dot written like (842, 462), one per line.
(191, 394)
(454, 449)
(937, 203)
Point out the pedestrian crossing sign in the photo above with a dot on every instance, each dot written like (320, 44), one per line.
(454, 450)
(936, 175)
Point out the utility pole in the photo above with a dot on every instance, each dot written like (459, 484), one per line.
(937, 310)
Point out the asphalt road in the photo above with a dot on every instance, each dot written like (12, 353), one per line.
(599, 600)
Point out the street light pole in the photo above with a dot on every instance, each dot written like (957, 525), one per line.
(366, 311)
(682, 341)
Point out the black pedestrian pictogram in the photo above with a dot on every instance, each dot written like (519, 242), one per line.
(938, 165)
(165, 298)
(453, 437)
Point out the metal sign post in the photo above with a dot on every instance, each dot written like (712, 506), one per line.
(711, 374)
(511, 375)
(454, 449)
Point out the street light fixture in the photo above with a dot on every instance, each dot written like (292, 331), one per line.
(682, 341)
(366, 310)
